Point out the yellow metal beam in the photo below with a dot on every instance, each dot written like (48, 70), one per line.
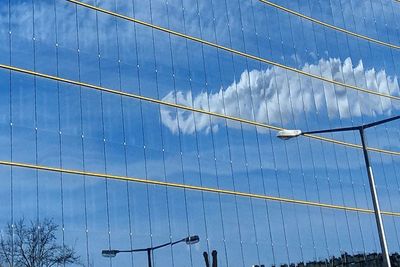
(192, 187)
(372, 40)
(179, 106)
(237, 52)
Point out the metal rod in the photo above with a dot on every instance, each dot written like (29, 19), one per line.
(214, 258)
(149, 257)
(164, 245)
(377, 211)
(205, 255)
(153, 248)
(353, 128)
(369, 125)
(134, 250)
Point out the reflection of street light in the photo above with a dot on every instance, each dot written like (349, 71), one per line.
(287, 134)
(111, 253)
(214, 258)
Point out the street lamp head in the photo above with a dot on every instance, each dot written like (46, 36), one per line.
(190, 240)
(287, 134)
(109, 253)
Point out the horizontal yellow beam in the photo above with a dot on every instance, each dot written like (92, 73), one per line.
(237, 52)
(139, 97)
(178, 106)
(373, 40)
(191, 187)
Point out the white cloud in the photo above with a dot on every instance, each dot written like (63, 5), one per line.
(271, 91)
(270, 88)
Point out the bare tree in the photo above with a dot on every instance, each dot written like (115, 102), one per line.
(34, 245)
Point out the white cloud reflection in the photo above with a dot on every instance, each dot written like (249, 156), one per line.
(272, 88)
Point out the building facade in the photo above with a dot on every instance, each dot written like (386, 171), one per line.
(131, 123)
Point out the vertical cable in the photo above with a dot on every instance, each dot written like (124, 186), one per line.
(211, 131)
(59, 131)
(11, 135)
(259, 148)
(241, 125)
(226, 134)
(329, 176)
(103, 132)
(226, 130)
(142, 120)
(390, 143)
(281, 207)
(124, 135)
(179, 129)
(82, 138)
(212, 137)
(386, 62)
(352, 116)
(336, 157)
(161, 132)
(35, 114)
(194, 121)
(302, 164)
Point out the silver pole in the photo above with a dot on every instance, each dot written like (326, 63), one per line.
(377, 210)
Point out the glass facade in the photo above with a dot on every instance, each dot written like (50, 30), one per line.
(133, 123)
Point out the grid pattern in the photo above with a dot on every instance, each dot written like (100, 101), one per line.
(133, 123)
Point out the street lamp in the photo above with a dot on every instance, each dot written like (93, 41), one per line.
(111, 253)
(287, 134)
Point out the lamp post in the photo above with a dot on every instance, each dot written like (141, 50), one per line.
(287, 134)
(111, 253)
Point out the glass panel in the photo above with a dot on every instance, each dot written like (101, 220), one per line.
(240, 178)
